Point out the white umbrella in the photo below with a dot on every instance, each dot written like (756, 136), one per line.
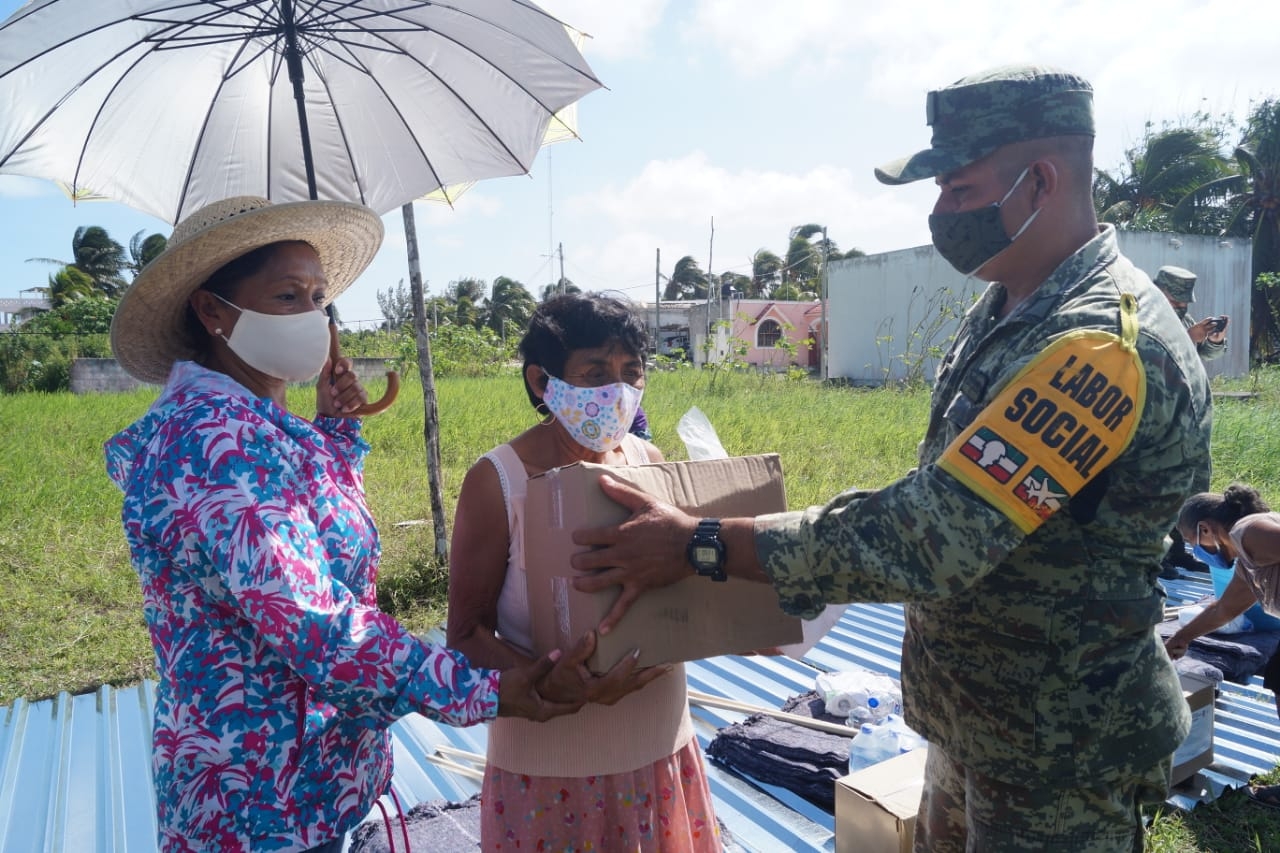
(167, 105)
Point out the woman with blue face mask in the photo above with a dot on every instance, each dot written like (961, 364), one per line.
(1238, 526)
(625, 772)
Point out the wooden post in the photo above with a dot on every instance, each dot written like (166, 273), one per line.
(431, 414)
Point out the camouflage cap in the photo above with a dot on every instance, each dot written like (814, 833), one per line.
(1179, 284)
(977, 114)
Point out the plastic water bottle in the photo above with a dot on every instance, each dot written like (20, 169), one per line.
(863, 749)
(860, 714)
(906, 738)
(886, 742)
(881, 704)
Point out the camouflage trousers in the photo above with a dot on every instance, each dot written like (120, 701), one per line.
(962, 811)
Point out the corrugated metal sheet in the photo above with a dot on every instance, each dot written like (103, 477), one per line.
(75, 771)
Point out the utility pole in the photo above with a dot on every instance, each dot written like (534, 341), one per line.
(710, 286)
(560, 250)
(657, 297)
(822, 328)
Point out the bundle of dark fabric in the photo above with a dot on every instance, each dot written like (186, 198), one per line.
(1237, 656)
(438, 826)
(805, 761)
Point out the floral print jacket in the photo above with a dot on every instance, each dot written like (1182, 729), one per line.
(278, 674)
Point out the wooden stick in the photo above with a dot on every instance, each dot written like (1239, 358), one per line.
(706, 699)
(454, 752)
(461, 769)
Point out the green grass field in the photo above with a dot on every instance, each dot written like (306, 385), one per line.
(71, 616)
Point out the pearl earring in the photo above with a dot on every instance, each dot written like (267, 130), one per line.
(218, 332)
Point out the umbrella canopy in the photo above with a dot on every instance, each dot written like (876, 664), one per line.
(168, 105)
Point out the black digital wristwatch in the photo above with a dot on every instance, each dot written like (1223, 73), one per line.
(706, 551)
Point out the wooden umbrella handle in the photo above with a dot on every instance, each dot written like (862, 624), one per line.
(393, 379)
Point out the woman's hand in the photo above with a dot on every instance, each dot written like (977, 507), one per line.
(338, 390)
(1176, 646)
(570, 680)
(518, 694)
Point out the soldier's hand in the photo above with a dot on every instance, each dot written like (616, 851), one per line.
(644, 552)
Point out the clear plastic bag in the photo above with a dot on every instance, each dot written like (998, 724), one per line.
(699, 436)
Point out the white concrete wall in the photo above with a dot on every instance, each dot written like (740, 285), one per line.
(887, 312)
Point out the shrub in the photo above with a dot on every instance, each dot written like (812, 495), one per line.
(37, 356)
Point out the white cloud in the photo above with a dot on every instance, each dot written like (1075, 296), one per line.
(1136, 51)
(670, 204)
(617, 30)
(15, 186)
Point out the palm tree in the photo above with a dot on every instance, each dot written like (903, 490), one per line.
(67, 285)
(766, 272)
(509, 307)
(804, 259)
(97, 256)
(734, 282)
(1252, 201)
(143, 250)
(1157, 175)
(558, 287)
(687, 281)
(788, 291)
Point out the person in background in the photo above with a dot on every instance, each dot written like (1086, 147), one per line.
(1210, 337)
(640, 425)
(1179, 287)
(1240, 527)
(625, 772)
(249, 530)
(1069, 420)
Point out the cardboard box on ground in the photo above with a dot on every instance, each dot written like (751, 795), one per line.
(876, 806)
(692, 619)
(1196, 751)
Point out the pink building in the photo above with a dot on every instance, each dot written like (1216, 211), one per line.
(765, 325)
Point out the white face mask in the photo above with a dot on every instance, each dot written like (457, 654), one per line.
(291, 347)
(598, 418)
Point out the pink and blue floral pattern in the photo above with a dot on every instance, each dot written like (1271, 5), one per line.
(278, 674)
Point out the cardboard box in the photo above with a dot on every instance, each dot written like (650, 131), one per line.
(1196, 751)
(876, 806)
(689, 620)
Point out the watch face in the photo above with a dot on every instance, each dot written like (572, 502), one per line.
(705, 555)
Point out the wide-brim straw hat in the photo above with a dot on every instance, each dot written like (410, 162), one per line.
(149, 330)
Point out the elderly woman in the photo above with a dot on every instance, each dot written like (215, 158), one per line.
(624, 773)
(257, 554)
(1238, 526)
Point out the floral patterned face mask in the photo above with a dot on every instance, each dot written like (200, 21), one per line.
(597, 418)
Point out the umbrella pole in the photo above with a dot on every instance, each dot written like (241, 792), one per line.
(293, 61)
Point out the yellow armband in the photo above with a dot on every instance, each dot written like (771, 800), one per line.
(1063, 418)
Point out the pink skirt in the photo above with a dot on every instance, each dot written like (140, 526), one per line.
(663, 807)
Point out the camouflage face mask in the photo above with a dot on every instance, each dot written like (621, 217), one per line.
(971, 238)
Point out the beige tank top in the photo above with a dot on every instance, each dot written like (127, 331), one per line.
(643, 727)
(1264, 580)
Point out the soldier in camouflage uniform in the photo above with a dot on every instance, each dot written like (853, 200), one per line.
(1069, 420)
(1179, 287)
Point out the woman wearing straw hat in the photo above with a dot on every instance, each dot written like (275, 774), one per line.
(248, 526)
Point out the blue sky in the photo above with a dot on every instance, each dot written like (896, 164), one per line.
(761, 115)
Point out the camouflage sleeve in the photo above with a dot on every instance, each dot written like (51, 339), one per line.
(925, 536)
(1208, 350)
